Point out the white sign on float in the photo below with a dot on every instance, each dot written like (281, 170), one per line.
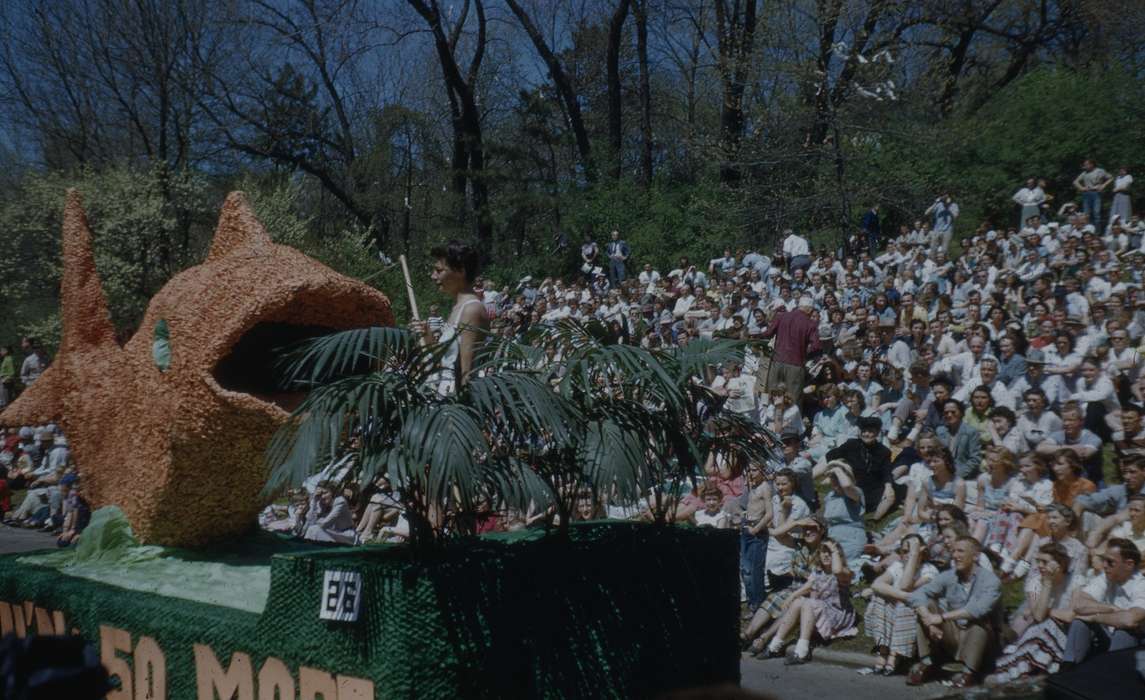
(341, 596)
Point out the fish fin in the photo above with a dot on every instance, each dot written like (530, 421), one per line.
(238, 228)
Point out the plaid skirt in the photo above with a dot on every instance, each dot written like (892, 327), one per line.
(891, 624)
(773, 603)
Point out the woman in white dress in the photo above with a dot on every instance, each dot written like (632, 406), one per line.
(454, 272)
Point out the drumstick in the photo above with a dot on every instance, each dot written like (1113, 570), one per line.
(409, 289)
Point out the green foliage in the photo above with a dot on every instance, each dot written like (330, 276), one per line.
(1042, 125)
(526, 432)
(146, 225)
(660, 223)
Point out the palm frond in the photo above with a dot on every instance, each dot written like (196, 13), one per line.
(522, 402)
(615, 458)
(450, 441)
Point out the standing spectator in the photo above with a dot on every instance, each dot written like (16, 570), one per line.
(957, 614)
(617, 251)
(756, 506)
(7, 376)
(1110, 610)
(796, 251)
(1030, 198)
(797, 336)
(945, 211)
(1091, 182)
(34, 363)
(870, 225)
(1122, 207)
(589, 253)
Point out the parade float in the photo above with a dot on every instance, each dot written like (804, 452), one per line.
(183, 598)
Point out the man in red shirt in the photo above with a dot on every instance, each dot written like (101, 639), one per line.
(796, 337)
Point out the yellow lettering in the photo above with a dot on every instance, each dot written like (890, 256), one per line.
(237, 683)
(313, 682)
(274, 679)
(112, 640)
(150, 670)
(350, 688)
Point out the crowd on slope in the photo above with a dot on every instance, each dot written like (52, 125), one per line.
(953, 425)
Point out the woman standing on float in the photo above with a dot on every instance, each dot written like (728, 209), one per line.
(455, 272)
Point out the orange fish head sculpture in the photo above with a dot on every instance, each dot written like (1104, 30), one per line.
(182, 450)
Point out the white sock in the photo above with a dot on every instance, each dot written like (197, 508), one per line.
(802, 648)
(775, 644)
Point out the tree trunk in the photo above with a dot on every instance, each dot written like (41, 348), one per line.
(564, 88)
(468, 150)
(615, 124)
(736, 35)
(640, 9)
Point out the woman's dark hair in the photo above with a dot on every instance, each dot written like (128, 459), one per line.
(956, 514)
(459, 256)
(1058, 553)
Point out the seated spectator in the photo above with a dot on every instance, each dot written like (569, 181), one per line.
(869, 464)
(1062, 525)
(77, 515)
(713, 513)
(889, 619)
(1029, 493)
(1128, 524)
(1110, 610)
(1040, 648)
(331, 518)
(821, 607)
(996, 487)
(843, 511)
(958, 617)
(963, 441)
(1076, 439)
(760, 629)
(1113, 499)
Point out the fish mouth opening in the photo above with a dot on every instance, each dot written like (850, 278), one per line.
(257, 363)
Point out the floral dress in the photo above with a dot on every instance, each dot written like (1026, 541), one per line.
(831, 599)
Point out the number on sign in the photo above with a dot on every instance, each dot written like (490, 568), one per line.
(341, 596)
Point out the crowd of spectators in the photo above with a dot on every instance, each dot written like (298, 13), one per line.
(35, 460)
(954, 425)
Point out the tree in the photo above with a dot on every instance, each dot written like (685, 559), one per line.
(563, 85)
(622, 422)
(640, 10)
(468, 150)
(615, 116)
(735, 31)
